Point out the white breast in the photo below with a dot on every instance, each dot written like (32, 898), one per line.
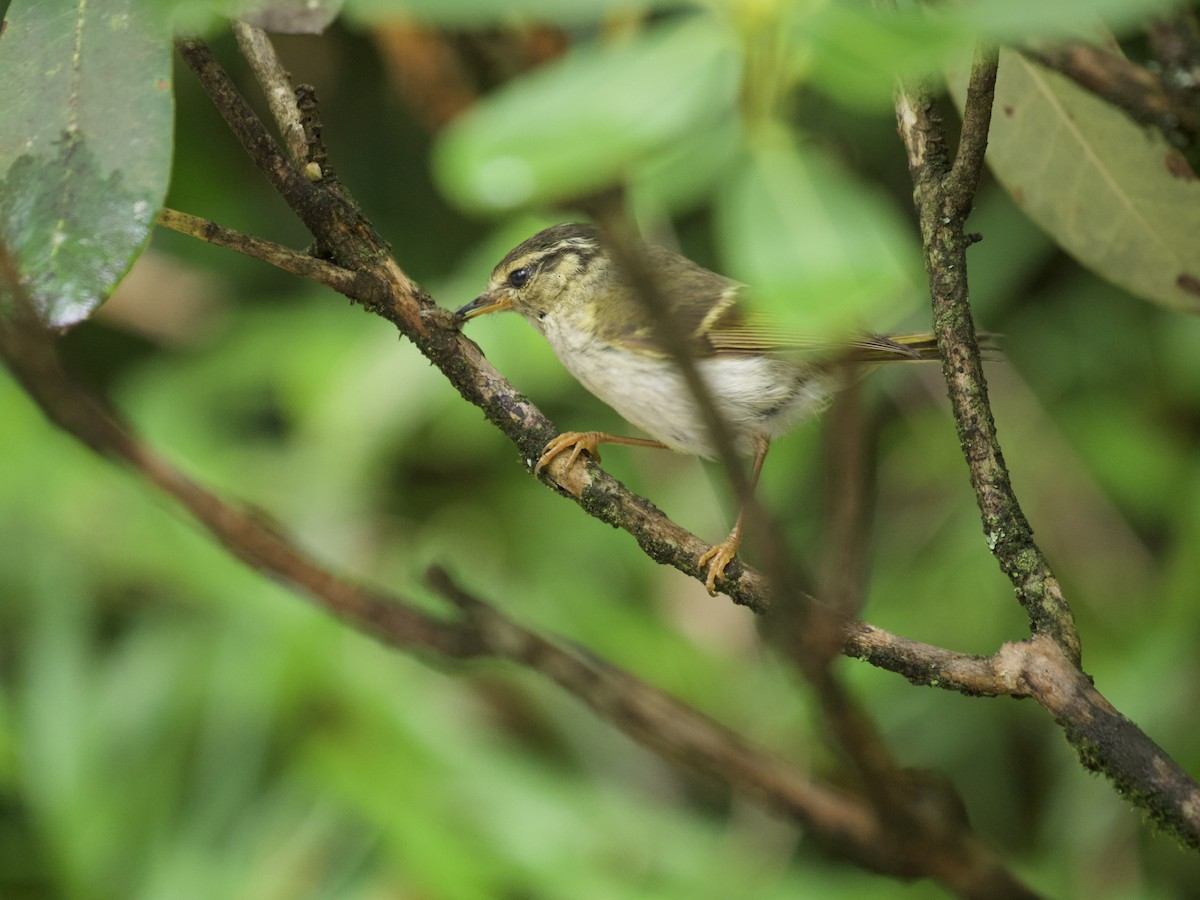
(757, 395)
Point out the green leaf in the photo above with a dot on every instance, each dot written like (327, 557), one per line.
(1114, 195)
(820, 249)
(589, 121)
(85, 146)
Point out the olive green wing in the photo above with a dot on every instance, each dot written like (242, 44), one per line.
(712, 311)
(699, 301)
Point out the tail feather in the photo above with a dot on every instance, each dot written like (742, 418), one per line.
(912, 347)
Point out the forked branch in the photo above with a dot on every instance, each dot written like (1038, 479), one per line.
(1049, 662)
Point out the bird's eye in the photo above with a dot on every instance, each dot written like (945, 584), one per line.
(518, 277)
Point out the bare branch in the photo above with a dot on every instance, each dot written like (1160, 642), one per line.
(344, 281)
(964, 176)
(943, 197)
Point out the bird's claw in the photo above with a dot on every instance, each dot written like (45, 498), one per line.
(717, 557)
(577, 441)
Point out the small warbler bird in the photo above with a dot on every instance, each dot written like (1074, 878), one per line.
(762, 380)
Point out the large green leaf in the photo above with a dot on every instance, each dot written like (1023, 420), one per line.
(592, 119)
(85, 145)
(1114, 195)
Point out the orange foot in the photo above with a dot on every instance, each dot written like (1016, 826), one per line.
(577, 441)
(580, 441)
(717, 557)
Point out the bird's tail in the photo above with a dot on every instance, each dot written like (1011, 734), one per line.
(914, 347)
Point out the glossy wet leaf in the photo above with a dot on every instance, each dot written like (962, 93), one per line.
(85, 146)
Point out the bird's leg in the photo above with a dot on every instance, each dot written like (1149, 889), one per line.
(720, 555)
(579, 441)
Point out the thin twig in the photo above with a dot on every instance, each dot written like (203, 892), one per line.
(345, 281)
(963, 180)
(258, 50)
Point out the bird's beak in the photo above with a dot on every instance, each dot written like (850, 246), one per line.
(482, 305)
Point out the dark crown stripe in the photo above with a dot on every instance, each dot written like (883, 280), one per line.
(585, 251)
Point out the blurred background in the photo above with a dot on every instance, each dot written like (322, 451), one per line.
(175, 725)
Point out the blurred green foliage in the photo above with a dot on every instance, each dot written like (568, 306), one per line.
(174, 725)
(591, 119)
